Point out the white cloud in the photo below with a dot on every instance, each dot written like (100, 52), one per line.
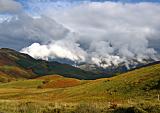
(90, 32)
(109, 29)
(58, 49)
(9, 6)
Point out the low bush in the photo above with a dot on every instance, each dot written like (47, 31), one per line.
(86, 108)
(128, 110)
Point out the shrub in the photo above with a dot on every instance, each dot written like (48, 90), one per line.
(113, 106)
(45, 81)
(53, 110)
(129, 110)
(86, 108)
(28, 107)
(39, 87)
(149, 107)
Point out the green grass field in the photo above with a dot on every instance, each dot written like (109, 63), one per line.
(133, 92)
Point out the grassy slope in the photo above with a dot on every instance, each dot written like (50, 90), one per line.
(5, 78)
(16, 72)
(138, 84)
(22, 84)
(49, 81)
(57, 81)
(130, 89)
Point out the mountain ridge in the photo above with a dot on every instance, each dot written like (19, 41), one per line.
(18, 65)
(37, 67)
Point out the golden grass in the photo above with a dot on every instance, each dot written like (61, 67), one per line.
(123, 90)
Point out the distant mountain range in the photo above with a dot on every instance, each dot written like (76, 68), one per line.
(15, 65)
(116, 69)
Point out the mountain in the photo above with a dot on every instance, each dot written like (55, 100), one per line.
(15, 65)
(114, 70)
(9, 67)
(19, 65)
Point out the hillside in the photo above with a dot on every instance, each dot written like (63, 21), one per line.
(136, 91)
(139, 82)
(20, 65)
(134, 84)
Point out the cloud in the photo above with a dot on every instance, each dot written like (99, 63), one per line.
(91, 32)
(9, 6)
(22, 30)
(58, 49)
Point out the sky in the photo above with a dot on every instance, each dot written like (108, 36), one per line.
(82, 31)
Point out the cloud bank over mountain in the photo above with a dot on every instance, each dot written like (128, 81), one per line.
(92, 32)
